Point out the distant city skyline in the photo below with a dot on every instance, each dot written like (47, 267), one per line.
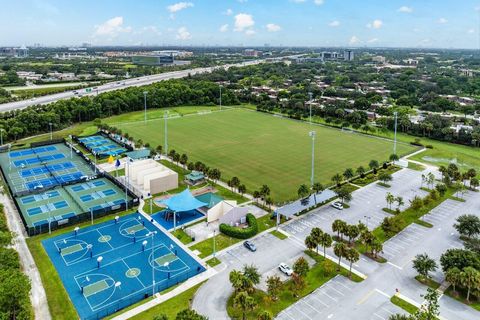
(316, 23)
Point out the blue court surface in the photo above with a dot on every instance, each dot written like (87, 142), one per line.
(102, 146)
(165, 218)
(124, 275)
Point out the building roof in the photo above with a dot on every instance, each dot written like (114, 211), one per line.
(195, 176)
(138, 154)
(184, 201)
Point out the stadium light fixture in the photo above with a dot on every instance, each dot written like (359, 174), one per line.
(312, 134)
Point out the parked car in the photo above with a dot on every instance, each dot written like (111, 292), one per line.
(337, 205)
(250, 246)
(284, 268)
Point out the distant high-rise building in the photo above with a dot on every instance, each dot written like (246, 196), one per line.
(348, 55)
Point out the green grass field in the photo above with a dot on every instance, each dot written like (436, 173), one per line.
(263, 149)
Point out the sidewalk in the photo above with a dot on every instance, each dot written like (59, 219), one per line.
(38, 296)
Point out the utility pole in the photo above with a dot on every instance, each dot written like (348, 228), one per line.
(310, 102)
(395, 134)
(312, 134)
(166, 133)
(145, 103)
(51, 134)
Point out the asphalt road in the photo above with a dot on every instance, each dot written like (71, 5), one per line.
(111, 86)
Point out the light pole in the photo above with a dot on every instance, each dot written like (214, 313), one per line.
(127, 172)
(51, 134)
(166, 132)
(312, 134)
(395, 134)
(1, 136)
(91, 215)
(145, 103)
(310, 102)
(152, 234)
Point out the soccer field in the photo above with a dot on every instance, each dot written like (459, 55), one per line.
(263, 149)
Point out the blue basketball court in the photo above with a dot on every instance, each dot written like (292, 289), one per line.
(110, 266)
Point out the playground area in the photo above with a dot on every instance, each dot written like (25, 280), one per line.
(102, 146)
(109, 266)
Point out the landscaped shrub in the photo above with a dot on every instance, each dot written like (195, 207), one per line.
(429, 146)
(240, 233)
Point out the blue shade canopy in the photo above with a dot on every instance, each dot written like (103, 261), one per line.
(184, 201)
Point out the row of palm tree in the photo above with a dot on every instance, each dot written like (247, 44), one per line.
(390, 199)
(263, 194)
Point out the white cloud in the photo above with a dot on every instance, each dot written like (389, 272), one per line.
(354, 40)
(229, 12)
(373, 40)
(111, 27)
(405, 9)
(272, 27)
(243, 22)
(319, 2)
(224, 28)
(334, 23)
(250, 32)
(179, 6)
(471, 31)
(375, 24)
(442, 20)
(183, 34)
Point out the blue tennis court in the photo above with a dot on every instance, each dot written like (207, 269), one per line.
(133, 262)
(102, 146)
(37, 160)
(32, 151)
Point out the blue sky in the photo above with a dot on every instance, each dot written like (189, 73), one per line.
(354, 23)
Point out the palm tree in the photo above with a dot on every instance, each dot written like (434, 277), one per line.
(394, 157)
(269, 202)
(274, 285)
(316, 234)
(360, 171)
(352, 256)
(245, 303)
(469, 277)
(325, 242)
(338, 226)
(348, 174)
(235, 278)
(453, 275)
(264, 315)
(251, 273)
(303, 191)
(317, 188)
(265, 191)
(390, 198)
(352, 232)
(443, 171)
(373, 164)
(400, 202)
(310, 243)
(339, 249)
(337, 179)
(474, 183)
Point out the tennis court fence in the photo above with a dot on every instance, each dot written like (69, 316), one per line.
(58, 222)
(143, 294)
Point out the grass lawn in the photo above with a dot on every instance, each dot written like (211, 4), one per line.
(370, 178)
(59, 302)
(410, 308)
(171, 307)
(221, 242)
(182, 236)
(213, 262)
(415, 166)
(262, 149)
(411, 215)
(321, 272)
(278, 234)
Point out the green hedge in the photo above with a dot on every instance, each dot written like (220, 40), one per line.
(240, 233)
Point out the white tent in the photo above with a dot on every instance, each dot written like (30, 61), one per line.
(151, 176)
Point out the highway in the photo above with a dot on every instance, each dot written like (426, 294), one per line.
(117, 85)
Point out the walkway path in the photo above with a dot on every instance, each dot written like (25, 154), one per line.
(37, 293)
